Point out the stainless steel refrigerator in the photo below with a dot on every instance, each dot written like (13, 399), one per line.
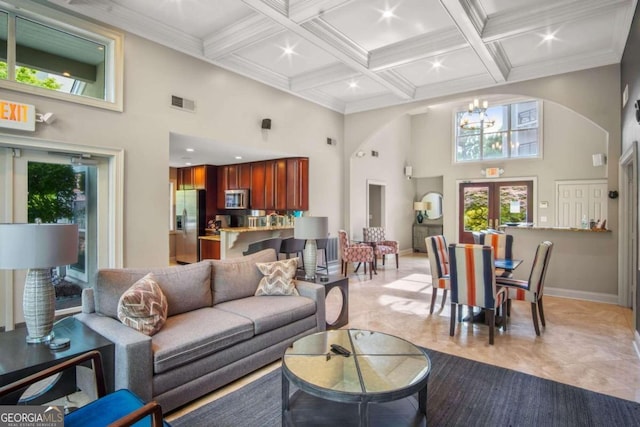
(191, 222)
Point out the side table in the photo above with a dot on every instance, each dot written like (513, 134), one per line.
(342, 284)
(19, 359)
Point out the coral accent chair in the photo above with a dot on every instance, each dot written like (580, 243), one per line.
(531, 290)
(439, 263)
(383, 246)
(354, 252)
(473, 283)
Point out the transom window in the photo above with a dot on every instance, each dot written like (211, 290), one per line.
(505, 132)
(60, 56)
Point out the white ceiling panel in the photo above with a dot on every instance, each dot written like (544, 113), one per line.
(363, 87)
(362, 20)
(574, 38)
(453, 66)
(271, 54)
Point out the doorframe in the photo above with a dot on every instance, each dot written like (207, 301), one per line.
(534, 193)
(115, 166)
(383, 201)
(628, 220)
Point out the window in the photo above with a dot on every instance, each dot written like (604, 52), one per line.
(58, 56)
(507, 131)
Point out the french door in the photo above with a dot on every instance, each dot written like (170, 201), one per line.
(488, 205)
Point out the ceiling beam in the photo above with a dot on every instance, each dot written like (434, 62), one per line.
(252, 29)
(305, 10)
(468, 21)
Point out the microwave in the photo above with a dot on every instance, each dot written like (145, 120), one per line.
(236, 199)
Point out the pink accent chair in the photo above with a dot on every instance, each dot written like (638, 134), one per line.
(354, 252)
(383, 246)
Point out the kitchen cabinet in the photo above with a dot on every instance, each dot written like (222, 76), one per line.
(420, 232)
(257, 191)
(298, 184)
(232, 177)
(201, 177)
(275, 184)
(209, 249)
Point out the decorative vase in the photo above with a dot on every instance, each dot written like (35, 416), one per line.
(420, 218)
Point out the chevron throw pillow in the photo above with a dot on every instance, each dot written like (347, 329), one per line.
(143, 306)
(278, 277)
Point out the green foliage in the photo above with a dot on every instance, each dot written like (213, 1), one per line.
(51, 192)
(28, 76)
(476, 211)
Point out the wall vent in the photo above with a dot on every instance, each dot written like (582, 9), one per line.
(374, 153)
(183, 103)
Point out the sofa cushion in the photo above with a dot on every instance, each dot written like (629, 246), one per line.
(143, 306)
(278, 277)
(270, 312)
(235, 278)
(196, 334)
(187, 287)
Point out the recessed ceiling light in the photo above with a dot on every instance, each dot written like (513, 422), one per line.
(190, 150)
(66, 74)
(238, 157)
(353, 84)
(549, 37)
(437, 64)
(188, 163)
(387, 13)
(288, 50)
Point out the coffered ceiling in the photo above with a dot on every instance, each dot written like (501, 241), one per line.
(356, 55)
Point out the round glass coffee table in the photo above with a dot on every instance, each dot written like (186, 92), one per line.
(379, 368)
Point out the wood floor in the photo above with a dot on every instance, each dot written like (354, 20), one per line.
(585, 344)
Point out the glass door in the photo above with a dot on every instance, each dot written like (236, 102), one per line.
(489, 205)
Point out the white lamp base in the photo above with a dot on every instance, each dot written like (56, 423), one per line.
(39, 305)
(310, 259)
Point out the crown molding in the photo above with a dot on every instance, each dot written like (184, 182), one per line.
(249, 69)
(239, 35)
(324, 76)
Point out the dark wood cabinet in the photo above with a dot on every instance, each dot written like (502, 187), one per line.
(202, 177)
(232, 177)
(276, 184)
(298, 184)
(257, 191)
(209, 249)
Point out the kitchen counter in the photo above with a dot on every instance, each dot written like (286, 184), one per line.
(214, 237)
(583, 230)
(251, 229)
(235, 240)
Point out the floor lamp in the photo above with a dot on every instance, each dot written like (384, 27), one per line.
(310, 228)
(38, 247)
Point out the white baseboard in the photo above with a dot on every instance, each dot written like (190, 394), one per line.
(582, 295)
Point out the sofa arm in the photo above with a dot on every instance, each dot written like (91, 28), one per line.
(316, 293)
(133, 354)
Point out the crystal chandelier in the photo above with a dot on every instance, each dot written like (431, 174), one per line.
(476, 116)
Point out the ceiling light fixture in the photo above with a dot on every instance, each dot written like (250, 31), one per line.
(188, 163)
(353, 85)
(387, 13)
(476, 116)
(437, 64)
(189, 150)
(238, 157)
(549, 37)
(288, 50)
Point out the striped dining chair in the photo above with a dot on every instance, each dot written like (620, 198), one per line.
(531, 290)
(439, 263)
(502, 245)
(473, 283)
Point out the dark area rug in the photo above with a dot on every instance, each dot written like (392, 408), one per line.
(461, 392)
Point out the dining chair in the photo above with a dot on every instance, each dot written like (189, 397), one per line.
(354, 252)
(321, 245)
(254, 247)
(439, 263)
(120, 408)
(294, 246)
(502, 245)
(473, 283)
(383, 247)
(531, 290)
(477, 237)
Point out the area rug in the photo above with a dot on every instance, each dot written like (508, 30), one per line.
(461, 392)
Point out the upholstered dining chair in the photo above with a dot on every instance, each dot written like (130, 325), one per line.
(531, 290)
(118, 409)
(502, 245)
(473, 283)
(383, 246)
(356, 252)
(439, 263)
(274, 244)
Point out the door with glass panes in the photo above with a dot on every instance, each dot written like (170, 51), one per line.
(489, 205)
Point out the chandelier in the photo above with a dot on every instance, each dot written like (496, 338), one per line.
(476, 116)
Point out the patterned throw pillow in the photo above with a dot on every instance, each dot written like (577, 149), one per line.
(278, 277)
(143, 306)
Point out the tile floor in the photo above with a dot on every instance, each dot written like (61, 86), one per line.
(586, 344)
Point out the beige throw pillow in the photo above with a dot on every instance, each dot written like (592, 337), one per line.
(278, 277)
(143, 306)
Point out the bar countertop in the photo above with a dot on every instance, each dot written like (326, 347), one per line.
(250, 229)
(582, 230)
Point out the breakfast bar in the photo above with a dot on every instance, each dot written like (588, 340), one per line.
(235, 240)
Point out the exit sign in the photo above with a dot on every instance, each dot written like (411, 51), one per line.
(15, 115)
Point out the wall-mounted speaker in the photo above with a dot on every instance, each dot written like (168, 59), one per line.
(266, 123)
(408, 171)
(637, 105)
(599, 159)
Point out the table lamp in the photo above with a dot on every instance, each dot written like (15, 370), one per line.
(38, 247)
(310, 228)
(419, 207)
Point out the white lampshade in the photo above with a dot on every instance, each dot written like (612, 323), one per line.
(419, 206)
(37, 245)
(311, 227)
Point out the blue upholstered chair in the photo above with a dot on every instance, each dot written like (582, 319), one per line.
(439, 263)
(531, 290)
(120, 408)
(473, 283)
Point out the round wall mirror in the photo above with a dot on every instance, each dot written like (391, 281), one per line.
(433, 202)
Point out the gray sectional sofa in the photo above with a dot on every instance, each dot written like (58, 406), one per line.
(216, 330)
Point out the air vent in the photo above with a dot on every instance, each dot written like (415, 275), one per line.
(183, 103)
(374, 153)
